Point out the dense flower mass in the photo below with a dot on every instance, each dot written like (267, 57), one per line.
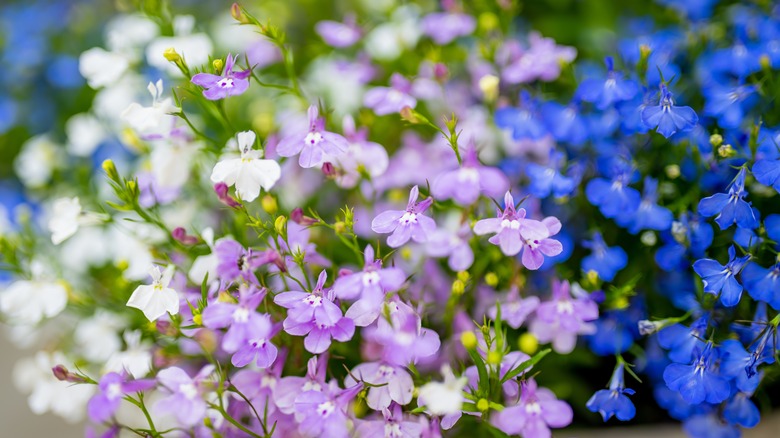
(398, 218)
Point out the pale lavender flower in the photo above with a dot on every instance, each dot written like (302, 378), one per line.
(561, 319)
(258, 385)
(249, 332)
(152, 193)
(444, 243)
(230, 83)
(395, 383)
(512, 229)
(514, 309)
(362, 158)
(537, 411)
(401, 334)
(535, 249)
(324, 415)
(235, 262)
(112, 388)
(443, 27)
(464, 185)
(392, 99)
(315, 146)
(392, 425)
(184, 398)
(287, 388)
(542, 60)
(316, 316)
(406, 224)
(337, 34)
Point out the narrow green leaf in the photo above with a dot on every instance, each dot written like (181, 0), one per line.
(525, 365)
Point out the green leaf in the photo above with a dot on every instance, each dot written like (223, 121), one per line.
(482, 370)
(204, 291)
(525, 365)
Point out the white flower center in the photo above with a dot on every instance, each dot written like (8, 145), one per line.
(468, 175)
(257, 343)
(408, 218)
(189, 390)
(225, 83)
(313, 300)
(404, 338)
(313, 138)
(533, 244)
(325, 409)
(533, 409)
(565, 307)
(370, 278)
(268, 382)
(513, 224)
(385, 371)
(393, 430)
(240, 315)
(395, 96)
(114, 391)
(311, 386)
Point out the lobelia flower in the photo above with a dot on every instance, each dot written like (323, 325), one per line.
(112, 388)
(288, 388)
(393, 425)
(606, 92)
(401, 334)
(321, 414)
(536, 412)
(316, 316)
(561, 319)
(444, 27)
(156, 299)
(392, 99)
(682, 341)
(249, 172)
(185, 398)
(542, 60)
(393, 384)
(316, 146)
(739, 364)
(546, 180)
(443, 398)
(340, 35)
(135, 360)
(464, 185)
(700, 381)
(30, 301)
(730, 208)
(767, 172)
(406, 224)
(454, 245)
(719, 279)
(740, 411)
(565, 124)
(234, 262)
(66, 218)
(615, 198)
(514, 309)
(604, 260)
(762, 283)
(728, 104)
(362, 158)
(535, 249)
(368, 286)
(511, 228)
(613, 401)
(228, 84)
(668, 118)
(649, 215)
(155, 120)
(249, 332)
(523, 122)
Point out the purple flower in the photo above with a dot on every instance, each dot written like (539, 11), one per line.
(287, 388)
(535, 249)
(184, 399)
(235, 262)
(465, 184)
(112, 388)
(394, 383)
(388, 100)
(561, 319)
(537, 411)
(443, 27)
(229, 84)
(512, 230)
(514, 310)
(337, 34)
(248, 332)
(401, 334)
(444, 243)
(320, 414)
(613, 401)
(719, 279)
(406, 224)
(730, 208)
(699, 381)
(393, 425)
(369, 287)
(315, 315)
(542, 60)
(315, 146)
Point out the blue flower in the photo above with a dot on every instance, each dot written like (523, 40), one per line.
(710, 426)
(614, 197)
(613, 401)
(668, 118)
(740, 411)
(608, 91)
(763, 284)
(604, 260)
(730, 208)
(682, 341)
(649, 215)
(736, 363)
(523, 122)
(547, 179)
(728, 104)
(767, 172)
(615, 331)
(699, 381)
(722, 279)
(565, 123)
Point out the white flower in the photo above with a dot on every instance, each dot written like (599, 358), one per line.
(127, 33)
(67, 217)
(171, 161)
(29, 301)
(443, 398)
(248, 173)
(136, 359)
(205, 264)
(33, 375)
(194, 48)
(128, 250)
(37, 160)
(389, 40)
(155, 119)
(85, 133)
(97, 336)
(101, 67)
(157, 298)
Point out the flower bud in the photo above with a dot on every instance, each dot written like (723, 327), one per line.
(528, 343)
(132, 188)
(469, 340)
(412, 116)
(647, 327)
(110, 168)
(483, 405)
(328, 170)
(280, 224)
(299, 218)
(726, 151)
(672, 171)
(269, 204)
(488, 84)
(440, 71)
(463, 276)
(238, 14)
(494, 358)
(491, 279)
(716, 140)
(222, 193)
(488, 21)
(165, 328)
(218, 64)
(765, 62)
(340, 227)
(171, 55)
(648, 238)
(458, 287)
(180, 235)
(62, 374)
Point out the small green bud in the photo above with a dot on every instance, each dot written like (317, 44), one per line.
(280, 224)
(483, 405)
(469, 340)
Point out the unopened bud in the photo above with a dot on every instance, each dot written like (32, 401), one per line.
(165, 328)
(528, 343)
(483, 405)
(726, 151)
(269, 204)
(494, 358)
(458, 287)
(299, 218)
(488, 21)
(280, 224)
(440, 71)
(488, 84)
(340, 227)
(765, 62)
(328, 170)
(469, 340)
(716, 140)
(218, 64)
(180, 235)
(110, 168)
(171, 55)
(647, 327)
(411, 116)
(648, 238)
(62, 374)
(238, 14)
(132, 187)
(491, 279)
(672, 171)
(221, 190)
